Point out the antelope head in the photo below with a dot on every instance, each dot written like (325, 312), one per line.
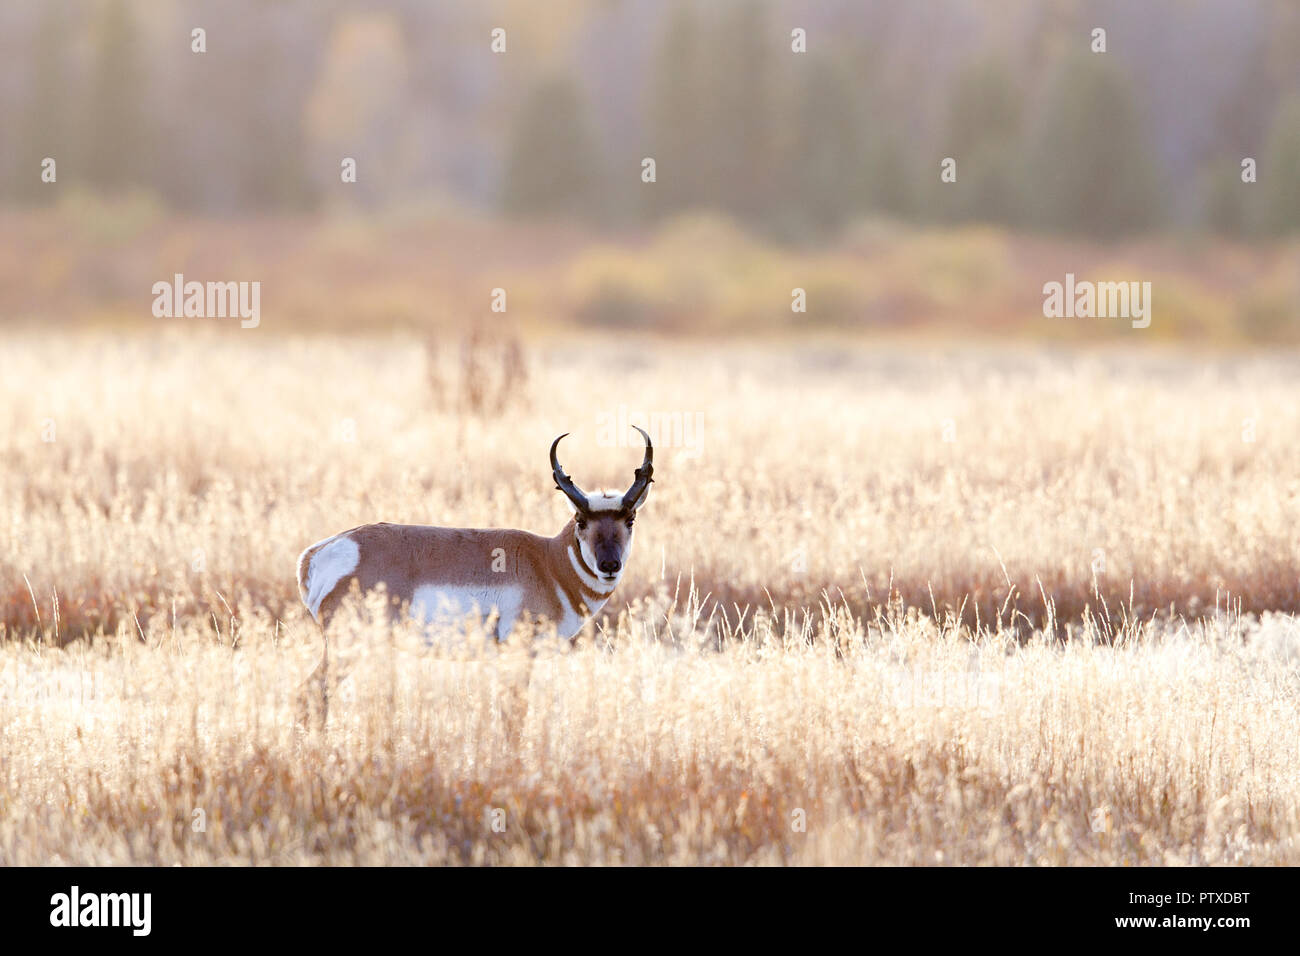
(602, 522)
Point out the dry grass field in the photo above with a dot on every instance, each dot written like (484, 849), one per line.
(884, 606)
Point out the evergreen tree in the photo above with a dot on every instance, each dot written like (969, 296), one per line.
(825, 166)
(1279, 173)
(677, 118)
(1225, 205)
(551, 169)
(47, 129)
(738, 116)
(275, 174)
(117, 152)
(889, 185)
(1242, 116)
(983, 135)
(1089, 169)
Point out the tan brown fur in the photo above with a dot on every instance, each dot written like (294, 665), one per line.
(404, 558)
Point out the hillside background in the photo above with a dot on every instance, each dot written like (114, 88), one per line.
(775, 170)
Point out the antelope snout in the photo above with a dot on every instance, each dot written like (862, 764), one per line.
(609, 566)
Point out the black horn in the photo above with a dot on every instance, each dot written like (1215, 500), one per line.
(643, 474)
(565, 483)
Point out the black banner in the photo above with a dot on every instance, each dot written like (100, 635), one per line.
(333, 906)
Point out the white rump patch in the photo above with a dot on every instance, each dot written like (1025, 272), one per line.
(334, 561)
(449, 605)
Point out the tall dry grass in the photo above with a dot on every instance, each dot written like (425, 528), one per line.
(892, 742)
(184, 476)
(752, 693)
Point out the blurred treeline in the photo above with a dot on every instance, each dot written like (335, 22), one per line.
(1046, 135)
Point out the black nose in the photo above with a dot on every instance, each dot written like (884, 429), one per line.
(609, 566)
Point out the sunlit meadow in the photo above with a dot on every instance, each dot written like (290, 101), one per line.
(885, 605)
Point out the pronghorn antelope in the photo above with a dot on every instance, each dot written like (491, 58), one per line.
(446, 574)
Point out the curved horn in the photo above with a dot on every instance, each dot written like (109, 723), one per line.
(643, 479)
(565, 483)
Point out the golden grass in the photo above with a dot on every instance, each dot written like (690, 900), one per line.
(185, 475)
(1077, 498)
(896, 743)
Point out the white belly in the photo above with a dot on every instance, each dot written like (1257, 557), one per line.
(442, 606)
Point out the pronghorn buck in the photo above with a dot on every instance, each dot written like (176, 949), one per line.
(447, 574)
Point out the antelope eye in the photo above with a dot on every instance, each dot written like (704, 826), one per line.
(629, 522)
(582, 524)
